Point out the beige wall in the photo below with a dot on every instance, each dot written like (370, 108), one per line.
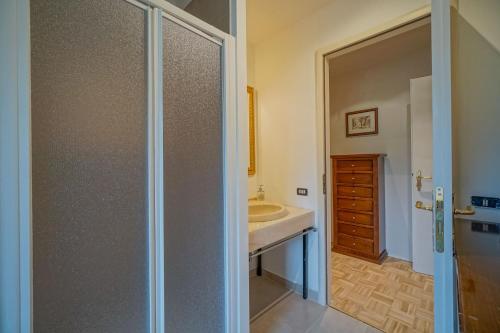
(250, 65)
(253, 181)
(285, 80)
(384, 84)
(476, 103)
(484, 17)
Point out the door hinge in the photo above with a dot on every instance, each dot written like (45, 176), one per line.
(324, 183)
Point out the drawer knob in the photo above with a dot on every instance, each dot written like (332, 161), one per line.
(353, 191)
(354, 217)
(353, 244)
(353, 204)
(353, 178)
(353, 165)
(353, 230)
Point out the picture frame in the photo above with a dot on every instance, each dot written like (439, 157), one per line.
(362, 122)
(251, 130)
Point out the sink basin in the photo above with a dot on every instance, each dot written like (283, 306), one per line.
(265, 211)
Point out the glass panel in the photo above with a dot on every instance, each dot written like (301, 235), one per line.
(89, 115)
(193, 182)
(475, 60)
(214, 12)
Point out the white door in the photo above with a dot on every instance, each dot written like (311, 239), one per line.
(445, 293)
(421, 168)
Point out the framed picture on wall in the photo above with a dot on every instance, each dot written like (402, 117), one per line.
(362, 122)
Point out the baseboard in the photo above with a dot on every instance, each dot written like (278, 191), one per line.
(398, 257)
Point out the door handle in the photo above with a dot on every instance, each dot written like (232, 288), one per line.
(420, 205)
(468, 210)
(419, 179)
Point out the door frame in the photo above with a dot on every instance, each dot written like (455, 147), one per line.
(445, 310)
(445, 292)
(15, 166)
(324, 181)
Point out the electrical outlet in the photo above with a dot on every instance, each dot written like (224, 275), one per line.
(491, 228)
(301, 191)
(485, 202)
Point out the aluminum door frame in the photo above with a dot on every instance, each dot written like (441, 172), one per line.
(232, 213)
(19, 316)
(445, 293)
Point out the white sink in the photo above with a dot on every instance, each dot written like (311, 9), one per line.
(262, 211)
(261, 234)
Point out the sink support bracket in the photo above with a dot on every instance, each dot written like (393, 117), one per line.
(304, 233)
(304, 267)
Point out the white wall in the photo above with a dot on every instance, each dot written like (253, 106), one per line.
(14, 174)
(253, 181)
(484, 17)
(386, 85)
(9, 214)
(285, 79)
(476, 104)
(250, 65)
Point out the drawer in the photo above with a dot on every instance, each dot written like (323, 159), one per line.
(353, 191)
(354, 230)
(363, 205)
(355, 243)
(355, 165)
(355, 178)
(355, 218)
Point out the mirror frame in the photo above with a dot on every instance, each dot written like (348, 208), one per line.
(251, 130)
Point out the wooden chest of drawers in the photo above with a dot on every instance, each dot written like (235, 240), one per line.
(358, 206)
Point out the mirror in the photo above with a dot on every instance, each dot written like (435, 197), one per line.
(251, 130)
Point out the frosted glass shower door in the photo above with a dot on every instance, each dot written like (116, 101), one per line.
(89, 107)
(131, 112)
(193, 160)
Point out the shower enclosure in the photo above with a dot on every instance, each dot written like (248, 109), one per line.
(133, 164)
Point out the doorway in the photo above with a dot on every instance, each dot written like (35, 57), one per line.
(376, 92)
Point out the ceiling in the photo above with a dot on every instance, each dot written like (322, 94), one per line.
(383, 51)
(265, 17)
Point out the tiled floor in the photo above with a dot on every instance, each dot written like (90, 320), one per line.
(264, 292)
(390, 297)
(295, 315)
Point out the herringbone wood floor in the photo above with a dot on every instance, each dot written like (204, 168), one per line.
(390, 296)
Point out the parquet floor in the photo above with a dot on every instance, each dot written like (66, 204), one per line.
(479, 293)
(478, 255)
(390, 296)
